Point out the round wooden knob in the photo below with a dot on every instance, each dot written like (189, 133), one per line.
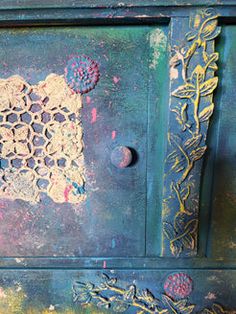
(121, 157)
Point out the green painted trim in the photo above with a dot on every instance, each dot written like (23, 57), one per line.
(23, 4)
(142, 263)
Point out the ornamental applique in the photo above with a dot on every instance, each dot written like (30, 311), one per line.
(41, 146)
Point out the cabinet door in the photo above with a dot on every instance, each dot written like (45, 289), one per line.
(73, 138)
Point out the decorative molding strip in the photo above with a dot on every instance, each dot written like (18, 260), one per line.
(108, 295)
(192, 70)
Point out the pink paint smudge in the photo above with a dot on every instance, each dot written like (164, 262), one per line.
(113, 135)
(66, 192)
(88, 100)
(116, 79)
(104, 264)
(94, 115)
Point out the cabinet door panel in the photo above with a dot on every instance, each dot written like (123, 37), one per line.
(57, 200)
(222, 241)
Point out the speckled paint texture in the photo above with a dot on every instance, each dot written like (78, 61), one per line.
(110, 200)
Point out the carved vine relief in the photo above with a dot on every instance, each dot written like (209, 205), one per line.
(109, 295)
(41, 144)
(192, 106)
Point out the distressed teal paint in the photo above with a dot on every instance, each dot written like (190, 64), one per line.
(129, 241)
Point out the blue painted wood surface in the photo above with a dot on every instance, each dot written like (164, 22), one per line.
(53, 256)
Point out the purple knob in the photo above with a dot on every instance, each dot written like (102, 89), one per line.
(121, 157)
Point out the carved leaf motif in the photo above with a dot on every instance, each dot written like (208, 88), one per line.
(191, 226)
(212, 59)
(130, 293)
(193, 141)
(173, 155)
(169, 230)
(176, 247)
(191, 35)
(197, 154)
(209, 28)
(185, 192)
(119, 305)
(184, 91)
(103, 304)
(188, 242)
(216, 309)
(177, 307)
(147, 296)
(81, 292)
(198, 74)
(208, 87)
(206, 113)
(213, 35)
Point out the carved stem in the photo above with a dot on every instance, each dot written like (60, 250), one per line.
(196, 106)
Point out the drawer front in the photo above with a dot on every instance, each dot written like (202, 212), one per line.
(60, 291)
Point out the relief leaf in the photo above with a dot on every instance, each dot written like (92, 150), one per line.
(209, 28)
(191, 35)
(188, 242)
(189, 309)
(103, 304)
(184, 91)
(120, 306)
(198, 74)
(191, 226)
(177, 306)
(172, 156)
(169, 230)
(130, 293)
(193, 141)
(206, 113)
(218, 309)
(213, 57)
(197, 154)
(176, 247)
(208, 87)
(214, 34)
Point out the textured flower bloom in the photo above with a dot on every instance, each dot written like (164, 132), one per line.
(81, 74)
(14, 141)
(178, 286)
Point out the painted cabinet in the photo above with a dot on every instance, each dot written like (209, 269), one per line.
(117, 159)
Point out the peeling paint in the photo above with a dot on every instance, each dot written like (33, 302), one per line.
(158, 42)
(210, 296)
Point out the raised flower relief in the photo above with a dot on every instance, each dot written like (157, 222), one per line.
(14, 141)
(82, 74)
(178, 286)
